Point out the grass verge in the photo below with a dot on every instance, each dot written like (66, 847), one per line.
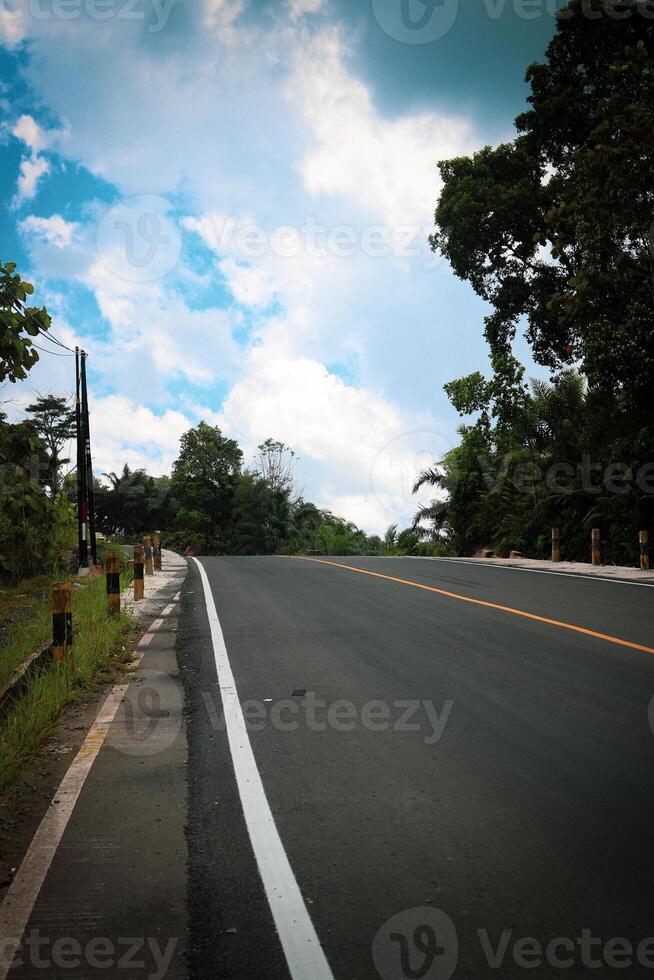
(99, 643)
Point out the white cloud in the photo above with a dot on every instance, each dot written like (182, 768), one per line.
(385, 166)
(12, 23)
(150, 323)
(54, 230)
(29, 132)
(34, 166)
(298, 8)
(126, 432)
(31, 170)
(270, 126)
(249, 285)
(345, 436)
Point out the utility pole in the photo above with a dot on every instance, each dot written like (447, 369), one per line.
(82, 505)
(88, 465)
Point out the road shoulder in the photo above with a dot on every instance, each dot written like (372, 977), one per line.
(120, 869)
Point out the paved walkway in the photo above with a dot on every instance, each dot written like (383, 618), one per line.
(102, 889)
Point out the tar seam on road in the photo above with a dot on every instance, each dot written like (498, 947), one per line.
(24, 890)
(483, 602)
(304, 955)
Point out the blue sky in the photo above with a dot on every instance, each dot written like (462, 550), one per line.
(226, 203)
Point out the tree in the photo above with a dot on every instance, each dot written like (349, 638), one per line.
(556, 227)
(204, 482)
(276, 465)
(263, 516)
(34, 533)
(133, 503)
(18, 324)
(55, 423)
(555, 231)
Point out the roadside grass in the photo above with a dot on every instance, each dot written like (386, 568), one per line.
(31, 632)
(99, 648)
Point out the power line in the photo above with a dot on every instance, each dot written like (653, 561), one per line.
(22, 309)
(53, 352)
(51, 337)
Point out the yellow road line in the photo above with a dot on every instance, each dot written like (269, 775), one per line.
(489, 605)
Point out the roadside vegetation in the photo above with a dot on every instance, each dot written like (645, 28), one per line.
(213, 504)
(555, 231)
(100, 645)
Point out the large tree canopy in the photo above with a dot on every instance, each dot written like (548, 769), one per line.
(555, 231)
(556, 227)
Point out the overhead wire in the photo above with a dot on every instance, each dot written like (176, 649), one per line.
(47, 334)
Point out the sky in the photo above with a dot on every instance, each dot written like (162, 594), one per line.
(227, 204)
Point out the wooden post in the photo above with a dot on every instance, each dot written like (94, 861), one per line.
(138, 571)
(112, 567)
(147, 547)
(156, 550)
(595, 546)
(62, 623)
(644, 550)
(556, 544)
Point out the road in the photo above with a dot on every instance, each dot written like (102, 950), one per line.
(357, 769)
(502, 778)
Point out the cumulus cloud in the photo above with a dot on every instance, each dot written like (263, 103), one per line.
(344, 434)
(31, 170)
(34, 166)
(126, 432)
(54, 230)
(30, 133)
(272, 129)
(384, 166)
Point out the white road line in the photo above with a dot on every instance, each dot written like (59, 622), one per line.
(584, 576)
(300, 943)
(24, 890)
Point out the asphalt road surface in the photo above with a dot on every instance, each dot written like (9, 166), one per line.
(458, 789)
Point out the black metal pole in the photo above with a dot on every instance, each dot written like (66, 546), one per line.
(88, 464)
(81, 495)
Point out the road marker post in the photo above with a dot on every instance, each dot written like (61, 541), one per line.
(112, 567)
(156, 548)
(139, 559)
(595, 546)
(643, 539)
(147, 547)
(62, 623)
(556, 544)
